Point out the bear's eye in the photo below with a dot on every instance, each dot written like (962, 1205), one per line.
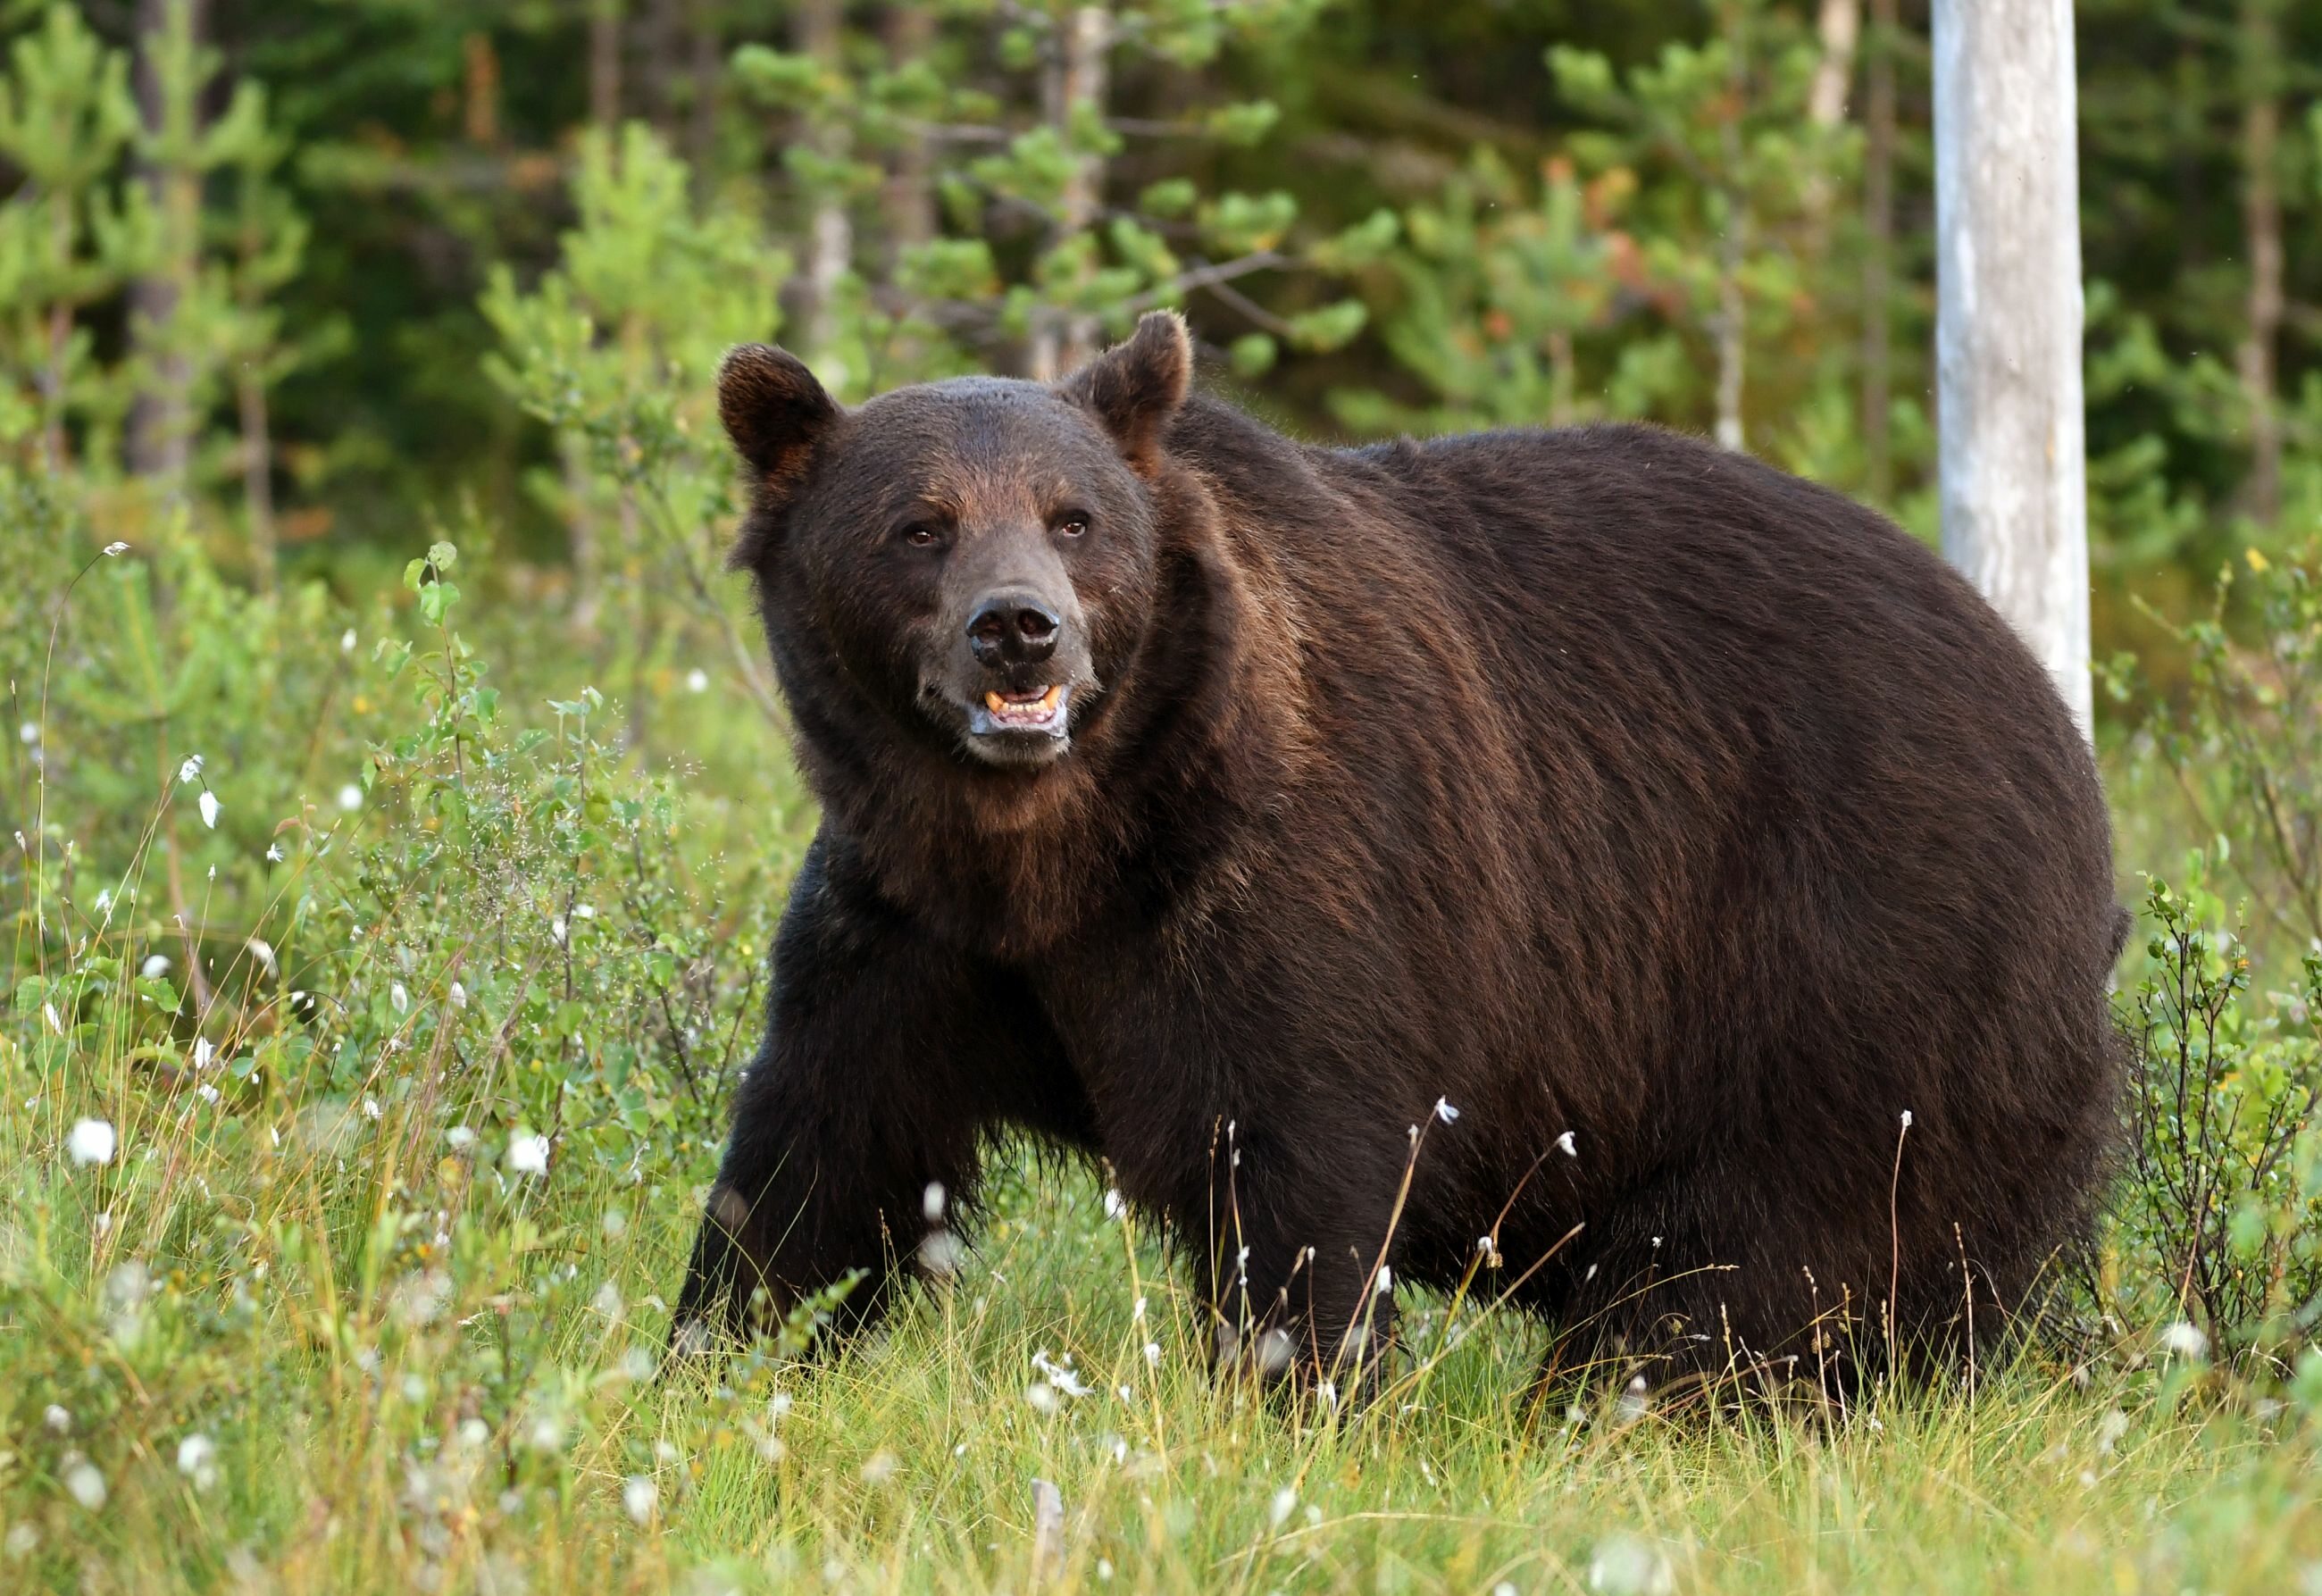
(1073, 523)
(921, 535)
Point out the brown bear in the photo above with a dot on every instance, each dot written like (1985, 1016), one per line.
(1220, 806)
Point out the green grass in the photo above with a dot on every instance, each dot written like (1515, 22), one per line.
(468, 1416)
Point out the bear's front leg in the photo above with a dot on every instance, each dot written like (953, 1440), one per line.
(856, 1128)
(1296, 1261)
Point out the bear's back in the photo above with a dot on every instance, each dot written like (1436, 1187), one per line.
(1662, 678)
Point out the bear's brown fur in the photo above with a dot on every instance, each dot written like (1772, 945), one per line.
(1681, 824)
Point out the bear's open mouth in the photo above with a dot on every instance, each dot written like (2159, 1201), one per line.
(1040, 709)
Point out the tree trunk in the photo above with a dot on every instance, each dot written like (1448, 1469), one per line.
(257, 471)
(1732, 327)
(1877, 246)
(1562, 409)
(53, 445)
(819, 32)
(660, 42)
(583, 539)
(159, 443)
(604, 64)
(2014, 484)
(1839, 25)
(907, 199)
(1074, 87)
(2262, 226)
(1733, 245)
(480, 116)
(582, 535)
(701, 114)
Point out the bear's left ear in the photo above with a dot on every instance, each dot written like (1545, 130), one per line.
(1133, 389)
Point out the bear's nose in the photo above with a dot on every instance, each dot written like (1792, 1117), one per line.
(1012, 629)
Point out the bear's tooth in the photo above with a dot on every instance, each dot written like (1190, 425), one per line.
(997, 705)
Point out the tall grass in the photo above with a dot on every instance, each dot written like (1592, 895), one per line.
(487, 1419)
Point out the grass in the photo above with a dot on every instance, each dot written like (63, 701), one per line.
(479, 1421)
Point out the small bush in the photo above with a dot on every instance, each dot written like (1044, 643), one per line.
(2220, 1217)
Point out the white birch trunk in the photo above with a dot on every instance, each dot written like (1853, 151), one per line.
(1840, 27)
(1076, 78)
(2261, 223)
(819, 31)
(2007, 322)
(1877, 243)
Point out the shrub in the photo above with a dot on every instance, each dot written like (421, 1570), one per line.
(2219, 1223)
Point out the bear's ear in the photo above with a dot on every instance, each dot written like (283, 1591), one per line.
(775, 411)
(1133, 389)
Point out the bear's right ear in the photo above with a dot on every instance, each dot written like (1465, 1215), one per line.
(775, 412)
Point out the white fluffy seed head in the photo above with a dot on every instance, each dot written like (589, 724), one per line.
(2184, 1340)
(86, 1485)
(941, 1253)
(92, 1140)
(1623, 1565)
(640, 1497)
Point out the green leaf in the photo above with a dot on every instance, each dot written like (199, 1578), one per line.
(1329, 327)
(1253, 354)
(1359, 245)
(1244, 124)
(1171, 196)
(436, 599)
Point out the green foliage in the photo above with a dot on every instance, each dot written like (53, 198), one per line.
(616, 350)
(1496, 293)
(2221, 1215)
(277, 292)
(2243, 743)
(71, 237)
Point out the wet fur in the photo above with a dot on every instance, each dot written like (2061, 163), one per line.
(1596, 781)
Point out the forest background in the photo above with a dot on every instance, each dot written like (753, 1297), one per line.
(1379, 216)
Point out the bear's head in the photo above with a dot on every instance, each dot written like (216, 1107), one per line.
(974, 561)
